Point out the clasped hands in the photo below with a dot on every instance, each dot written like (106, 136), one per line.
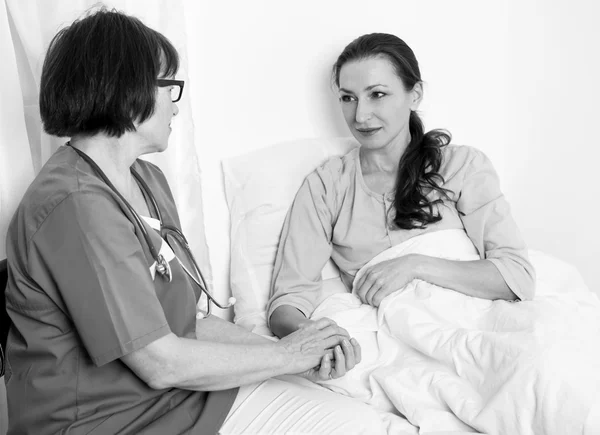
(326, 347)
(339, 352)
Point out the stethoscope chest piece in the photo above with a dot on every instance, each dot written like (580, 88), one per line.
(163, 268)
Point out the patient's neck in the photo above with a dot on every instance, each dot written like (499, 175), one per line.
(383, 160)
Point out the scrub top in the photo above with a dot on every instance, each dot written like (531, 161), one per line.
(335, 215)
(82, 294)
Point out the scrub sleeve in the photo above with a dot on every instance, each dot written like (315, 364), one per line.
(81, 296)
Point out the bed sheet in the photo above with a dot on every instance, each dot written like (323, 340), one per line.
(447, 361)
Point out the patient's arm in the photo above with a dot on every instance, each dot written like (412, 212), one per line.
(214, 328)
(479, 278)
(286, 319)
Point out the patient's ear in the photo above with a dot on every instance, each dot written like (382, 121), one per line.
(416, 94)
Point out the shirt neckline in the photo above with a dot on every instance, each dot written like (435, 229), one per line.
(361, 181)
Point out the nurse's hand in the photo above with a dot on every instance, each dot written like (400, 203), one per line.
(345, 357)
(385, 278)
(338, 360)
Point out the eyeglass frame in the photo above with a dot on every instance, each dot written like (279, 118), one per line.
(163, 83)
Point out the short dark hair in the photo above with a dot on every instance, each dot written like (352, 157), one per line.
(99, 75)
(418, 168)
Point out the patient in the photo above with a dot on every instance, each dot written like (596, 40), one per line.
(424, 239)
(101, 341)
(401, 182)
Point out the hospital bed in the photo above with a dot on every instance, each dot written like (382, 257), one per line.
(553, 387)
(258, 189)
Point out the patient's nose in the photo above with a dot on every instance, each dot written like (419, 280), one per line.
(363, 111)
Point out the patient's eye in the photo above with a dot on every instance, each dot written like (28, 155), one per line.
(377, 95)
(347, 98)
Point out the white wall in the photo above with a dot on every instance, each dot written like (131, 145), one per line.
(517, 79)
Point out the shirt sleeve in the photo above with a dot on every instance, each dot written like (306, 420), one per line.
(486, 216)
(90, 250)
(304, 248)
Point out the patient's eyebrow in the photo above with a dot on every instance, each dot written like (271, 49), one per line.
(368, 88)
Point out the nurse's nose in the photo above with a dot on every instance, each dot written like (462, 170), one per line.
(175, 109)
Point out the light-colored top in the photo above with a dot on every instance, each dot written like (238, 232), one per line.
(81, 294)
(335, 215)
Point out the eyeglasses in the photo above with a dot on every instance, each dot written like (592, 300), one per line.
(176, 88)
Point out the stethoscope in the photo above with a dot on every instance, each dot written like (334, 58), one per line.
(163, 267)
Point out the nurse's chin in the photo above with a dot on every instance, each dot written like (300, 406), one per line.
(158, 148)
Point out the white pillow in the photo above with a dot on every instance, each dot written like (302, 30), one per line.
(260, 187)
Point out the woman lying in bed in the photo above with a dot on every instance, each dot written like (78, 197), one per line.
(400, 183)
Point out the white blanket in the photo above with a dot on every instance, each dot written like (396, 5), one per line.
(447, 361)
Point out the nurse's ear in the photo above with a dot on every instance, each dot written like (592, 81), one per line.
(416, 95)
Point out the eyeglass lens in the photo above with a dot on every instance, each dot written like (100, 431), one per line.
(175, 93)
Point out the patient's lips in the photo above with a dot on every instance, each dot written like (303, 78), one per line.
(368, 131)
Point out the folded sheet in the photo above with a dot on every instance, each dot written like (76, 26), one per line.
(447, 361)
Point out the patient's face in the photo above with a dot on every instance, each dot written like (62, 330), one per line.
(375, 104)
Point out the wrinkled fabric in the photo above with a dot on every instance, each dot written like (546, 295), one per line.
(447, 361)
(335, 215)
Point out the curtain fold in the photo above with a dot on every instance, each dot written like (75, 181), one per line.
(35, 22)
(16, 165)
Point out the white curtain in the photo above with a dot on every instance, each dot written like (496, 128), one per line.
(16, 167)
(33, 23)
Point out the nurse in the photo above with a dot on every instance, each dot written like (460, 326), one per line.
(100, 341)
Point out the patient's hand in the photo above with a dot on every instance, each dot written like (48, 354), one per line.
(385, 278)
(286, 319)
(335, 364)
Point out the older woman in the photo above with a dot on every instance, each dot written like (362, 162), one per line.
(401, 182)
(103, 313)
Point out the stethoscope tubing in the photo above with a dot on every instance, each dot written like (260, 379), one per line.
(164, 230)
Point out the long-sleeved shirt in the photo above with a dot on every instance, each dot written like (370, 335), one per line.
(335, 215)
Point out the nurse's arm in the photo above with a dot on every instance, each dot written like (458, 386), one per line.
(209, 364)
(217, 329)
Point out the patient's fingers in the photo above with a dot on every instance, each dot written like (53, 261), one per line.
(340, 362)
(360, 291)
(380, 296)
(368, 291)
(357, 350)
(325, 369)
(348, 354)
(367, 288)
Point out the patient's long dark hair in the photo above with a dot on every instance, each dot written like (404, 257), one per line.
(418, 168)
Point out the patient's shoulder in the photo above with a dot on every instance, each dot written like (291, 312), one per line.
(458, 161)
(336, 173)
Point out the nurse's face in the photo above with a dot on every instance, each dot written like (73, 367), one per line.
(155, 131)
(375, 103)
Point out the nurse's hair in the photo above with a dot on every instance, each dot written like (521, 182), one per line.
(418, 168)
(99, 75)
